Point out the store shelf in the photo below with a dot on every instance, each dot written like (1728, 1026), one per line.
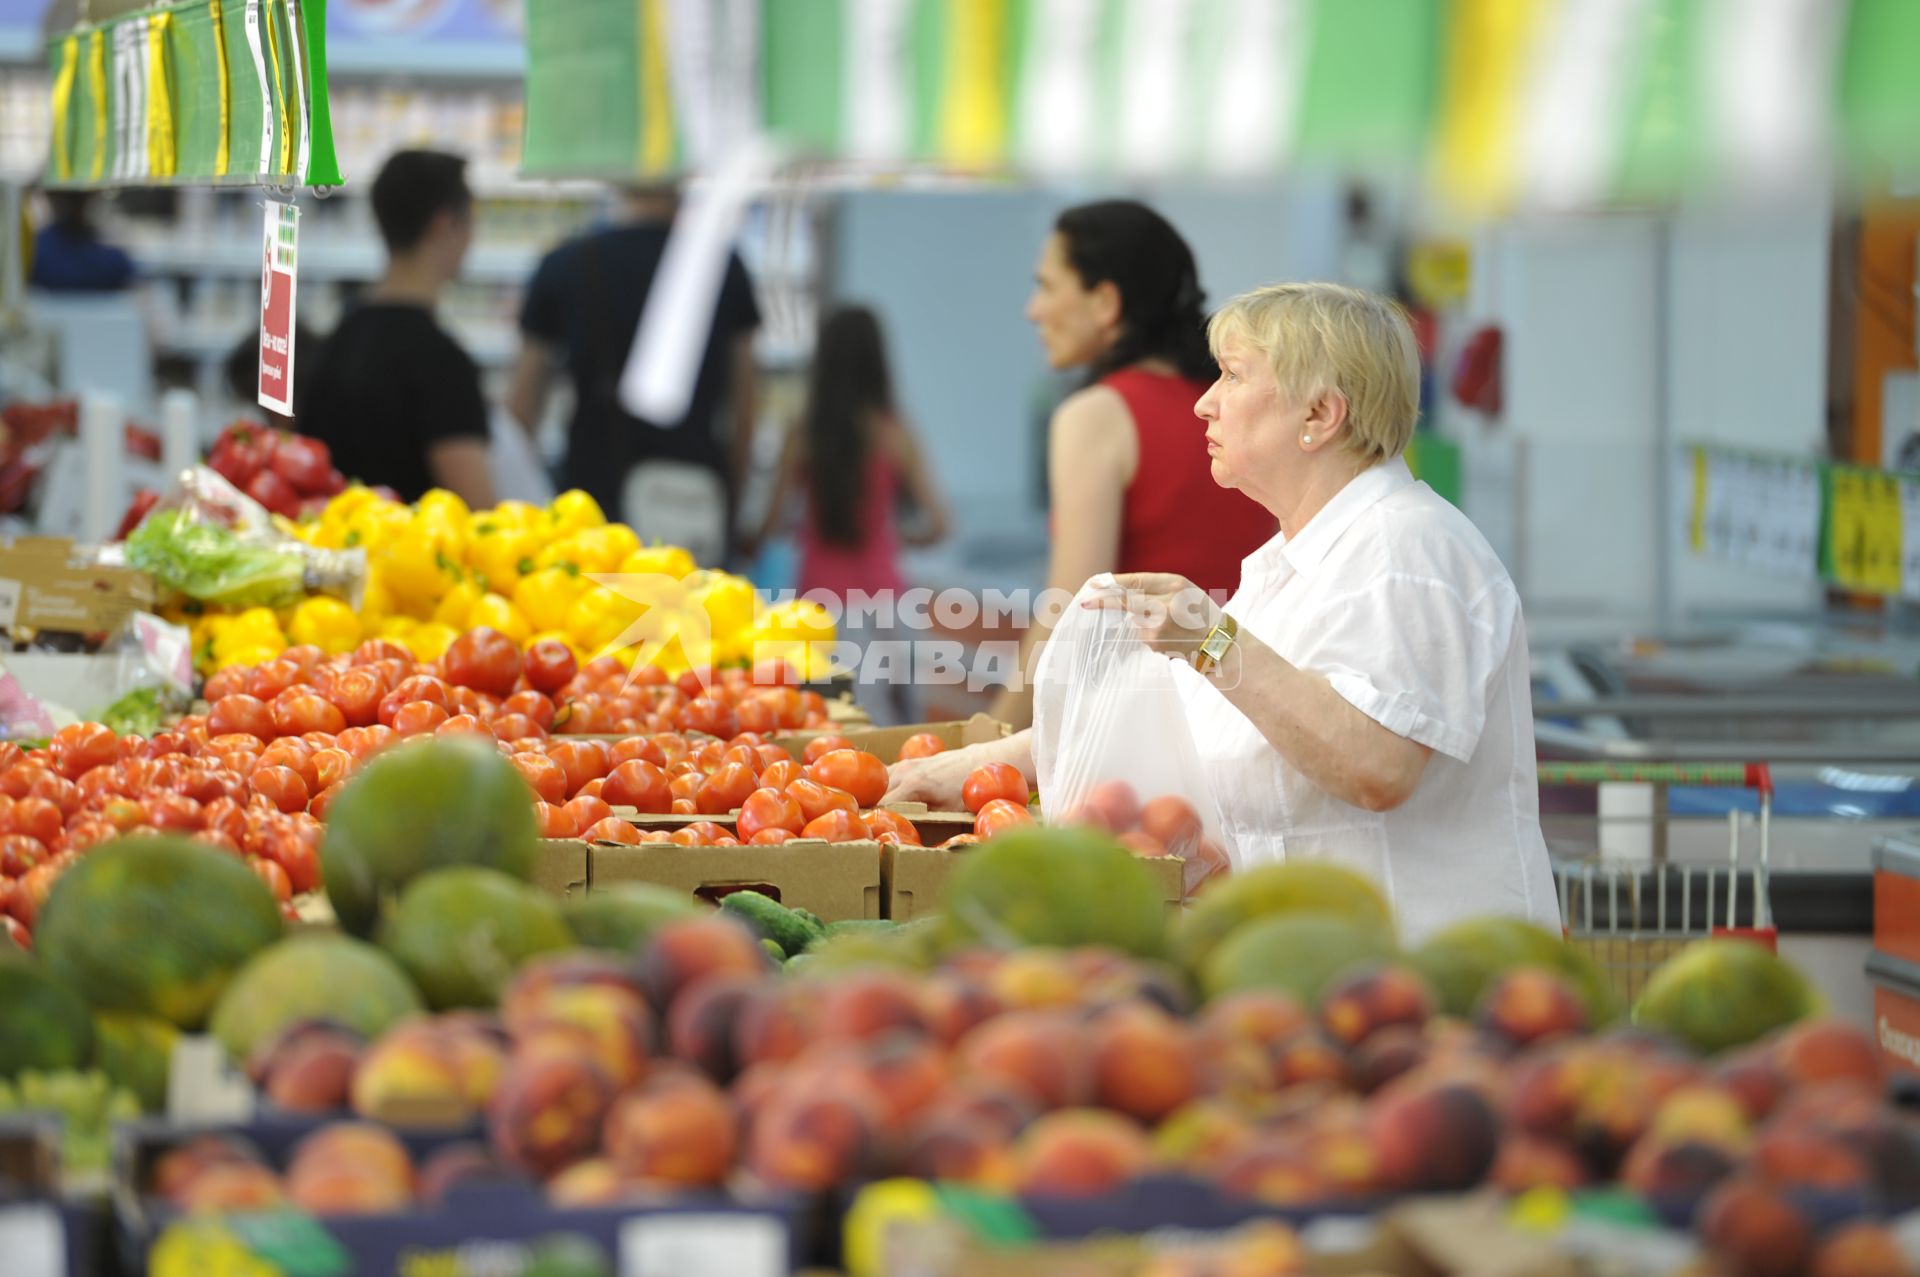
(356, 260)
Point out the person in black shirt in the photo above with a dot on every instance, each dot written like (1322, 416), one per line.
(675, 481)
(393, 396)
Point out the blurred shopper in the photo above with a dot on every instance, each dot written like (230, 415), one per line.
(857, 456)
(1117, 292)
(69, 256)
(393, 395)
(674, 481)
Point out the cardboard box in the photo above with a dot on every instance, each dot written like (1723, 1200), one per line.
(837, 881)
(914, 879)
(886, 741)
(561, 867)
(44, 588)
(934, 827)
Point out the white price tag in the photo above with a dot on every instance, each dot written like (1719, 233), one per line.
(33, 1242)
(684, 1245)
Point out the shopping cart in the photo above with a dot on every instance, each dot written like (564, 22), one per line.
(1632, 915)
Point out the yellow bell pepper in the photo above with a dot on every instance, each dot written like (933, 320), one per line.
(326, 623)
(416, 571)
(662, 560)
(440, 503)
(257, 655)
(376, 600)
(599, 617)
(501, 554)
(396, 628)
(619, 541)
(496, 612)
(429, 641)
(731, 605)
(454, 605)
(573, 511)
(546, 597)
(255, 628)
(517, 515)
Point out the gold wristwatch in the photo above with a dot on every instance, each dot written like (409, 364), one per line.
(1213, 648)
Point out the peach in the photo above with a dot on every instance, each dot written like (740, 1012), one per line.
(685, 952)
(1239, 1071)
(568, 969)
(174, 1169)
(1860, 1249)
(1263, 1017)
(685, 1132)
(700, 1028)
(1046, 1054)
(1432, 1138)
(1754, 1230)
(1799, 1157)
(954, 1004)
(612, 1023)
(1144, 1062)
(868, 1003)
(775, 1023)
(1531, 1004)
(547, 1111)
(1675, 1176)
(1079, 1153)
(1828, 1106)
(984, 1103)
(1543, 1095)
(586, 1185)
(1390, 1053)
(1173, 820)
(1706, 1114)
(1028, 979)
(313, 1074)
(1753, 1078)
(953, 1151)
(812, 1138)
(231, 1188)
(1202, 1137)
(455, 1165)
(1340, 1149)
(1273, 1171)
(907, 1072)
(370, 1149)
(1531, 1161)
(1817, 1051)
(269, 1052)
(1305, 1058)
(410, 1077)
(1371, 999)
(1111, 805)
(337, 1188)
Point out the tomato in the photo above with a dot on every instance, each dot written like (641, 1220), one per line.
(221, 815)
(726, 789)
(19, 853)
(33, 889)
(1112, 805)
(885, 823)
(274, 876)
(356, 694)
(837, 826)
(299, 854)
(80, 747)
(581, 760)
(772, 836)
(709, 757)
(816, 800)
(770, 809)
(289, 751)
(555, 821)
(997, 815)
(682, 807)
(226, 682)
(330, 766)
(240, 714)
(230, 742)
(813, 704)
(550, 665)
(537, 706)
(512, 727)
(995, 780)
(637, 747)
(613, 829)
(922, 745)
(704, 714)
(282, 787)
(275, 677)
(417, 718)
(700, 833)
(602, 669)
(755, 715)
(373, 650)
(854, 770)
(592, 789)
(416, 687)
(204, 784)
(822, 745)
(36, 818)
(175, 813)
(587, 811)
(672, 745)
(299, 710)
(163, 743)
(781, 774)
(1172, 821)
(483, 659)
(546, 778)
(695, 683)
(640, 785)
(464, 725)
(685, 785)
(1143, 844)
(62, 793)
(322, 802)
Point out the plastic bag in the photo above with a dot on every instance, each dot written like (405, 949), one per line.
(1111, 742)
(212, 542)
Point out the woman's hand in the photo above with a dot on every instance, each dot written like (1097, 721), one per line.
(935, 780)
(1173, 613)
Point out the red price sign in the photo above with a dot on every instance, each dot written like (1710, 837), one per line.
(278, 257)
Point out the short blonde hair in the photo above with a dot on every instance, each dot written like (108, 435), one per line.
(1328, 337)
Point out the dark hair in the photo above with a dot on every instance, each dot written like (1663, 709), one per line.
(1161, 317)
(849, 387)
(413, 188)
(73, 212)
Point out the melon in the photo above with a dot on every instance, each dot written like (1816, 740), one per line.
(1293, 886)
(43, 1023)
(1462, 960)
(624, 917)
(462, 933)
(1067, 887)
(1295, 953)
(136, 1054)
(313, 977)
(1715, 995)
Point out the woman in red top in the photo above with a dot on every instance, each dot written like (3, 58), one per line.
(1116, 292)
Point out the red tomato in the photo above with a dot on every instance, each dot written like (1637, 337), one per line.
(464, 725)
(380, 650)
(997, 815)
(766, 756)
(770, 809)
(356, 693)
(995, 780)
(546, 778)
(330, 767)
(483, 659)
(101, 782)
(1112, 805)
(537, 706)
(550, 665)
(704, 714)
(854, 770)
(282, 787)
(32, 890)
(582, 761)
(587, 811)
(774, 674)
(512, 727)
(62, 793)
(175, 813)
(816, 800)
(273, 875)
(837, 826)
(36, 818)
(416, 687)
(275, 677)
(781, 774)
(673, 746)
(602, 668)
(685, 785)
(322, 802)
(240, 714)
(772, 837)
(555, 822)
(885, 823)
(710, 756)
(695, 682)
(298, 711)
(305, 655)
(232, 742)
(1172, 821)
(163, 743)
(20, 853)
(223, 815)
(592, 789)
(682, 807)
(288, 751)
(1143, 844)
(755, 715)
(700, 833)
(226, 682)
(613, 829)
(417, 718)
(640, 785)
(637, 747)
(823, 745)
(922, 745)
(80, 747)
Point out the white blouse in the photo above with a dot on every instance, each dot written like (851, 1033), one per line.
(1395, 598)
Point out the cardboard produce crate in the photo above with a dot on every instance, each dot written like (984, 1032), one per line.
(914, 879)
(837, 881)
(934, 827)
(44, 589)
(561, 867)
(886, 741)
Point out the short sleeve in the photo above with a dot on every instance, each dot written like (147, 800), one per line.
(450, 404)
(543, 313)
(1417, 656)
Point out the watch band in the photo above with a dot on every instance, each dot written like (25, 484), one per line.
(1214, 647)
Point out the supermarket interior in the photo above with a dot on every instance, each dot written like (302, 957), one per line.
(1129, 638)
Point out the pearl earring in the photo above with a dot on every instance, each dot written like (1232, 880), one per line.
(1306, 438)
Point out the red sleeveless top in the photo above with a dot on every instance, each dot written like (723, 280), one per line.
(1176, 518)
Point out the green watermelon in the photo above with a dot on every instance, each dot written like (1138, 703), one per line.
(1293, 886)
(1296, 953)
(155, 925)
(1716, 995)
(624, 917)
(462, 933)
(428, 805)
(136, 1054)
(43, 1023)
(1041, 885)
(1462, 960)
(317, 977)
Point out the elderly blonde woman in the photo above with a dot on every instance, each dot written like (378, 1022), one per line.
(1364, 696)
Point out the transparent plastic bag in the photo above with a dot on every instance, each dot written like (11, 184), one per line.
(1111, 742)
(212, 542)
